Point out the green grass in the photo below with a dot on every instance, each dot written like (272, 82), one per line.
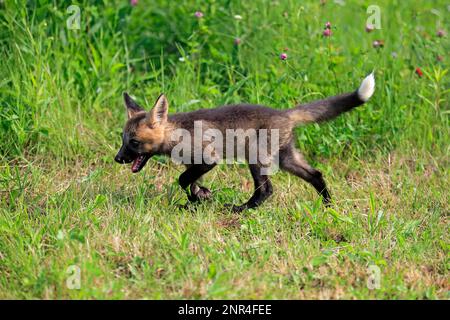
(65, 203)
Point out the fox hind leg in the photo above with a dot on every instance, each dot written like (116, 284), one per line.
(293, 162)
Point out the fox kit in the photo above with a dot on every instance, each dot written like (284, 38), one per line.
(150, 133)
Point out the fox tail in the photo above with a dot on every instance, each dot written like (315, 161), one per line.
(326, 109)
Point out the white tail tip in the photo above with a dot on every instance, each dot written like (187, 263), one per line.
(367, 87)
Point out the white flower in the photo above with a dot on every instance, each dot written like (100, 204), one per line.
(237, 17)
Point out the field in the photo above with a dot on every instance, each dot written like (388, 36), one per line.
(76, 225)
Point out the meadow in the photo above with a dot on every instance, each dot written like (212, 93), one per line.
(76, 225)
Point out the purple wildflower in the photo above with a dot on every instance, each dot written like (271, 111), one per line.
(369, 28)
(327, 32)
(441, 33)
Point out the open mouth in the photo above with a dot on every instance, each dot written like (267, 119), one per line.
(139, 163)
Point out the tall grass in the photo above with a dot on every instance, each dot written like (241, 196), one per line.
(61, 88)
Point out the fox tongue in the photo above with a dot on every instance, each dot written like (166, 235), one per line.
(137, 164)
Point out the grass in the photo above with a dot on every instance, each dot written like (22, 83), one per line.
(65, 203)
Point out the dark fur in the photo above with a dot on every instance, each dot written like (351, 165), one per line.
(153, 129)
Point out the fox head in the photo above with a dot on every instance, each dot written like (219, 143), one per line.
(144, 132)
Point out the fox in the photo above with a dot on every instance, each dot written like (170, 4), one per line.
(146, 134)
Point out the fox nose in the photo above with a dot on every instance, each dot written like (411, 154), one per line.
(118, 158)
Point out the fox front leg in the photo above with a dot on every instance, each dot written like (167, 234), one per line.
(188, 179)
(263, 190)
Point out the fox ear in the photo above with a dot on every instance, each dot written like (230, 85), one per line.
(131, 106)
(158, 114)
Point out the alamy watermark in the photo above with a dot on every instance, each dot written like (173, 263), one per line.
(374, 279)
(210, 145)
(73, 22)
(374, 20)
(73, 281)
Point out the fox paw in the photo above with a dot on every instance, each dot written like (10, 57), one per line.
(199, 193)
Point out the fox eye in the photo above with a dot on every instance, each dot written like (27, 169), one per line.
(134, 143)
